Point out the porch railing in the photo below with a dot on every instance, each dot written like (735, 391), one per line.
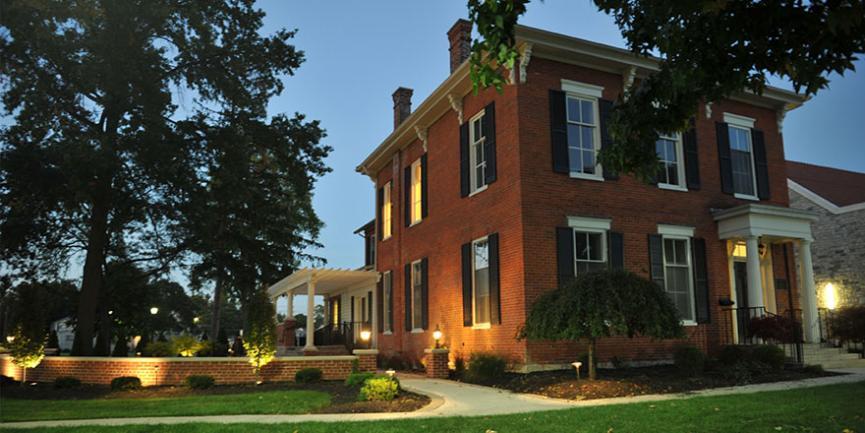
(755, 325)
(343, 333)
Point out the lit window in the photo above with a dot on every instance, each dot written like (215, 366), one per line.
(742, 158)
(386, 212)
(481, 285)
(416, 191)
(590, 251)
(387, 293)
(583, 135)
(417, 295)
(669, 149)
(476, 152)
(677, 275)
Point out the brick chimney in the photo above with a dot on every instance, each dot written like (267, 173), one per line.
(401, 105)
(460, 37)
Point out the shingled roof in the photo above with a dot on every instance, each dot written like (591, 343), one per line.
(840, 187)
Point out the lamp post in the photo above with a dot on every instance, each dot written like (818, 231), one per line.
(365, 336)
(437, 336)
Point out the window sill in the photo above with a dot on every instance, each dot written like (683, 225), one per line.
(584, 176)
(387, 333)
(414, 223)
(672, 187)
(746, 197)
(481, 326)
(689, 323)
(478, 191)
(417, 331)
(384, 239)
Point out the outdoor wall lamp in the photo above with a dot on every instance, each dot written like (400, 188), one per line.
(365, 335)
(437, 335)
(830, 297)
(154, 310)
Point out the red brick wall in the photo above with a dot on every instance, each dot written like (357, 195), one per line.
(173, 371)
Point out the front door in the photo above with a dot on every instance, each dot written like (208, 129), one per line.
(740, 281)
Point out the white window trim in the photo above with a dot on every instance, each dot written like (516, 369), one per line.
(742, 125)
(739, 120)
(593, 93)
(387, 202)
(411, 278)
(475, 324)
(670, 230)
(472, 155)
(386, 276)
(416, 217)
(680, 164)
(589, 223)
(688, 241)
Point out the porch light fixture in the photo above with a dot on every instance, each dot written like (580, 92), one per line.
(365, 335)
(437, 335)
(830, 297)
(154, 310)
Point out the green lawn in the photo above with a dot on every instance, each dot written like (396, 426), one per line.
(825, 409)
(266, 402)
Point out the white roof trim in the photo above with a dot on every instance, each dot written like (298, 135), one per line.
(822, 202)
(749, 220)
(327, 281)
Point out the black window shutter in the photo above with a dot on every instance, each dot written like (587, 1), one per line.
(407, 299)
(656, 259)
(465, 178)
(723, 135)
(605, 108)
(389, 276)
(424, 284)
(424, 199)
(490, 142)
(351, 309)
(692, 161)
(495, 295)
(379, 297)
(378, 221)
(467, 284)
(701, 280)
(406, 189)
(761, 167)
(369, 305)
(565, 263)
(617, 250)
(559, 131)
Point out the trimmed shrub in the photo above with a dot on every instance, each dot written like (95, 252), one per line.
(200, 381)
(733, 354)
(779, 329)
(756, 357)
(355, 380)
(689, 360)
(126, 383)
(66, 383)
(848, 324)
(485, 367)
(308, 375)
(159, 349)
(185, 345)
(379, 388)
(770, 356)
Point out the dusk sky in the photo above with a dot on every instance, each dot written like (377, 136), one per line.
(358, 53)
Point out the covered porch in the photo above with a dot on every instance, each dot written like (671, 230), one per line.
(348, 298)
(768, 249)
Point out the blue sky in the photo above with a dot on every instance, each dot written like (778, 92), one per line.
(358, 53)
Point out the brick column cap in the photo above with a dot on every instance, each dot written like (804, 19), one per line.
(365, 351)
(441, 350)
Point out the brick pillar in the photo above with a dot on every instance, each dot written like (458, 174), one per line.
(437, 363)
(366, 359)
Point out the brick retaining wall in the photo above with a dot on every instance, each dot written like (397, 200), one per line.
(173, 371)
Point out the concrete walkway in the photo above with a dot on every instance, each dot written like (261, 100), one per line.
(451, 398)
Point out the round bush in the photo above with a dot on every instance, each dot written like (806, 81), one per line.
(379, 388)
(66, 383)
(200, 381)
(485, 367)
(689, 360)
(733, 354)
(355, 380)
(125, 383)
(771, 356)
(308, 375)
(160, 349)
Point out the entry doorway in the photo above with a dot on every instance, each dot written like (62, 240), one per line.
(741, 312)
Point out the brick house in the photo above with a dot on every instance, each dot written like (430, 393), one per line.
(838, 198)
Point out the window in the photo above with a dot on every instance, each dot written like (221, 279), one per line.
(481, 281)
(671, 173)
(583, 135)
(416, 192)
(590, 251)
(477, 157)
(387, 294)
(677, 275)
(416, 295)
(742, 158)
(386, 212)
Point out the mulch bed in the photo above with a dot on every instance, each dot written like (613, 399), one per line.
(628, 382)
(343, 399)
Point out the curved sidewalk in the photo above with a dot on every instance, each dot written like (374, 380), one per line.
(450, 398)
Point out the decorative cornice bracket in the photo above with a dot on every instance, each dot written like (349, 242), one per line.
(708, 110)
(422, 136)
(457, 105)
(782, 113)
(525, 58)
(628, 79)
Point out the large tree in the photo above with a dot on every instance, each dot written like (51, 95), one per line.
(709, 49)
(99, 157)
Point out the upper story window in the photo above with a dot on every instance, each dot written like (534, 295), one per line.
(387, 211)
(672, 171)
(583, 136)
(481, 281)
(742, 157)
(416, 192)
(477, 153)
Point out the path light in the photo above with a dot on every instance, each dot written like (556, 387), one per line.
(195, 319)
(577, 366)
(10, 339)
(437, 335)
(154, 310)
(391, 372)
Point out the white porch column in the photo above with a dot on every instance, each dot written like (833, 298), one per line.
(290, 310)
(310, 315)
(755, 288)
(808, 297)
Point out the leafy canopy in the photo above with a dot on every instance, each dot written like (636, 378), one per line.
(27, 348)
(709, 50)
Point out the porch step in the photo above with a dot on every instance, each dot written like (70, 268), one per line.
(831, 357)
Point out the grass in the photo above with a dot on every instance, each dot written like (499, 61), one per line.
(834, 408)
(267, 402)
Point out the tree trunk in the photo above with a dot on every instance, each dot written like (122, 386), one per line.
(592, 372)
(92, 280)
(218, 293)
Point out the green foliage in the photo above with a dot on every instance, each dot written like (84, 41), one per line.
(159, 349)
(125, 383)
(121, 347)
(690, 360)
(848, 324)
(780, 329)
(260, 341)
(27, 349)
(355, 380)
(709, 51)
(200, 381)
(484, 367)
(379, 388)
(185, 345)
(308, 375)
(66, 383)
(731, 354)
(769, 355)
